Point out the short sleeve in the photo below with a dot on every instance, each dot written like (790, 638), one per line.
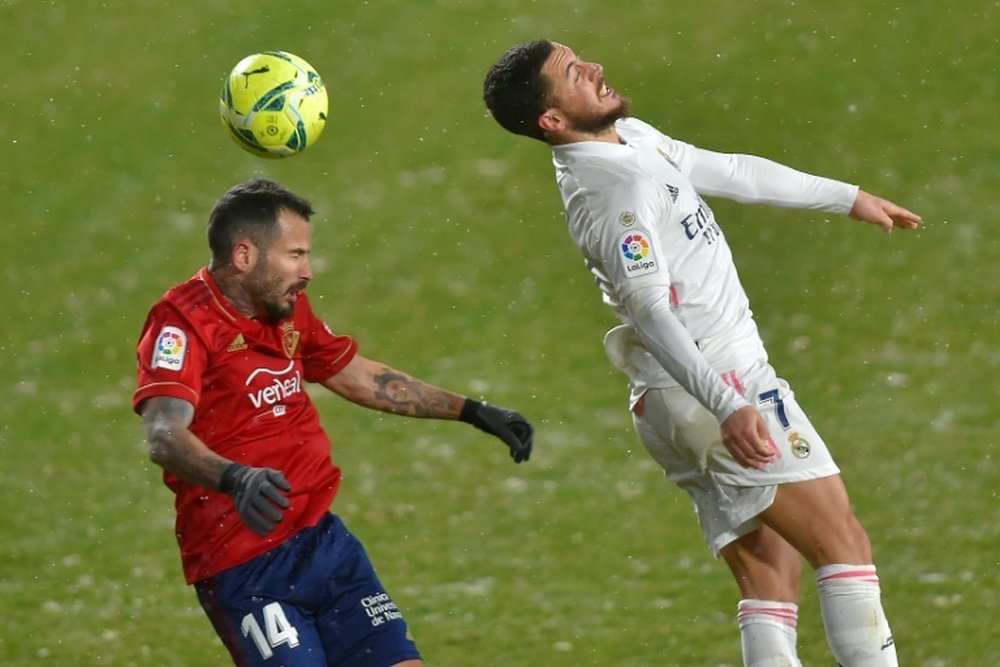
(171, 358)
(325, 353)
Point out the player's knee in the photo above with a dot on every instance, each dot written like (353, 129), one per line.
(862, 542)
(762, 579)
(847, 542)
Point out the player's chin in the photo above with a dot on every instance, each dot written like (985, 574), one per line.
(281, 309)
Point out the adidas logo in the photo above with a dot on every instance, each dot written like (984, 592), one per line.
(673, 192)
(237, 344)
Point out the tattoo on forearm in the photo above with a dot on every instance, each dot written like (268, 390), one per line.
(402, 394)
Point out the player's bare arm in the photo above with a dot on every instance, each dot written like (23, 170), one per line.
(882, 212)
(174, 447)
(374, 385)
(377, 386)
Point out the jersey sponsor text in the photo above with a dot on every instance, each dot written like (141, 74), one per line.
(702, 223)
(279, 390)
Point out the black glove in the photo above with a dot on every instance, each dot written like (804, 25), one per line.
(256, 494)
(508, 425)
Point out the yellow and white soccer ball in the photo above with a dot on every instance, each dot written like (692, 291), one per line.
(274, 104)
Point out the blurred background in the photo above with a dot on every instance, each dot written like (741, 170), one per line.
(440, 245)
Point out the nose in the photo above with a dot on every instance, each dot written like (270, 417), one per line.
(306, 272)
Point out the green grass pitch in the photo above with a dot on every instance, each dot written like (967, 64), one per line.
(440, 245)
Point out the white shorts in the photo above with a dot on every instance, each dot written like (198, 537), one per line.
(685, 439)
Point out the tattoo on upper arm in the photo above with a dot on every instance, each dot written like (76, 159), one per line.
(402, 394)
(168, 409)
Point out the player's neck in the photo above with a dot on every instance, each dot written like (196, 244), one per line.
(609, 135)
(231, 288)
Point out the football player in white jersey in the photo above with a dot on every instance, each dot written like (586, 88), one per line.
(705, 402)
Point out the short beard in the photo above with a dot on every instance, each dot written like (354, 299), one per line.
(602, 123)
(277, 311)
(262, 289)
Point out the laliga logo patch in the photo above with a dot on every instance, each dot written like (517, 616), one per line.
(635, 247)
(171, 346)
(637, 254)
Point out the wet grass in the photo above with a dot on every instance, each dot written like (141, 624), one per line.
(441, 248)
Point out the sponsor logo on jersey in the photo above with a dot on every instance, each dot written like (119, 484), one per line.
(237, 344)
(637, 254)
(702, 224)
(380, 609)
(280, 386)
(170, 348)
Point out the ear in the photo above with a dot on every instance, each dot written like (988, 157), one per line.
(551, 121)
(245, 255)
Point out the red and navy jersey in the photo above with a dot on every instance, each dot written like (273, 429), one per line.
(246, 379)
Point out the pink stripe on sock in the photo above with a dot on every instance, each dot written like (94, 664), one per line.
(787, 616)
(865, 575)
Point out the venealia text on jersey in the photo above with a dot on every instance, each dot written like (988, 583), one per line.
(278, 390)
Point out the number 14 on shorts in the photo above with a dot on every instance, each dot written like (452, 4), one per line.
(277, 630)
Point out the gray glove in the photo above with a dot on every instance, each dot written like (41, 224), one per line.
(257, 494)
(508, 425)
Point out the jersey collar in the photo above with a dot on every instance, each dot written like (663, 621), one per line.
(221, 302)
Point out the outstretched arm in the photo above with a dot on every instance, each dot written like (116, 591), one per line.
(379, 387)
(374, 385)
(882, 212)
(757, 180)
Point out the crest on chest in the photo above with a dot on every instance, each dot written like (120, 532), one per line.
(289, 339)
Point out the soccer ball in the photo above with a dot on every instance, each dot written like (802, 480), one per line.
(274, 104)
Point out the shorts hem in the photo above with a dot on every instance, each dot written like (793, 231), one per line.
(389, 659)
(723, 540)
(740, 479)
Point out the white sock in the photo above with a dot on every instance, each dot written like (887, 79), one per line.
(856, 628)
(768, 633)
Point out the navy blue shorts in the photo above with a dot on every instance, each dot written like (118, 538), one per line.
(314, 601)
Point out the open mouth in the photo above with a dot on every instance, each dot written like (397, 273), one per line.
(605, 90)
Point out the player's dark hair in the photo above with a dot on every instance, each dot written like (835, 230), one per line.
(250, 210)
(515, 91)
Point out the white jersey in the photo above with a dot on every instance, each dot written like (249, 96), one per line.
(661, 260)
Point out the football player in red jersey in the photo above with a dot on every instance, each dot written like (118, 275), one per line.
(223, 362)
